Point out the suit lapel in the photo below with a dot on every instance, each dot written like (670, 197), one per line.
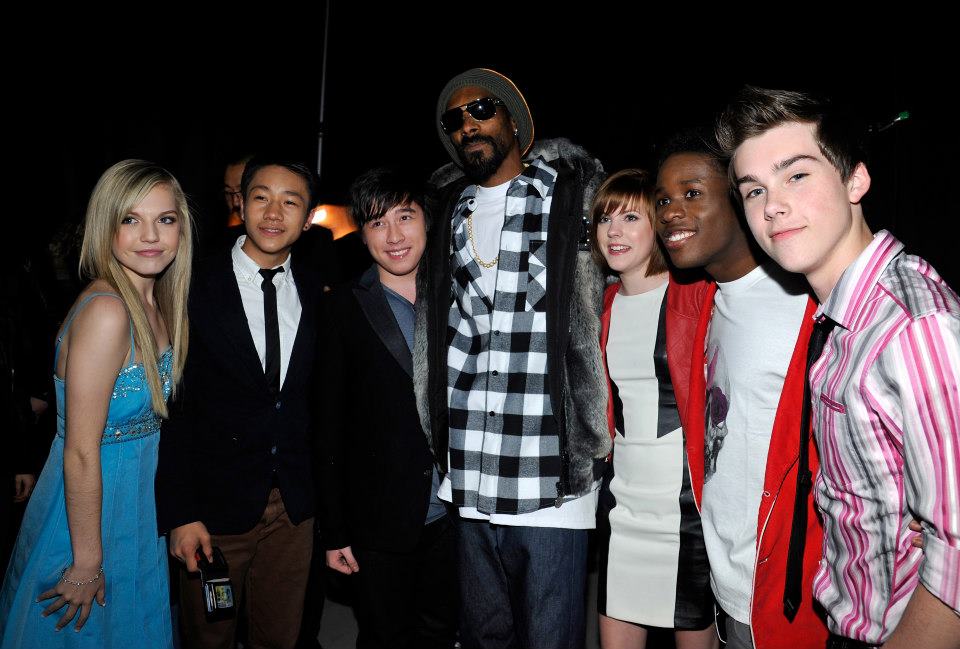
(373, 302)
(301, 362)
(233, 323)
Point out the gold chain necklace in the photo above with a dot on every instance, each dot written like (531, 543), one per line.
(473, 245)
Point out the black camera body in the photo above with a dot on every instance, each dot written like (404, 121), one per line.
(216, 587)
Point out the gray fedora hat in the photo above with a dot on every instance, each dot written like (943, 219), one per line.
(500, 87)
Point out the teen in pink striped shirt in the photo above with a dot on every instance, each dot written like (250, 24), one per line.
(886, 405)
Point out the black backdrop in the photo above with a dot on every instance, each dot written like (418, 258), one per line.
(613, 79)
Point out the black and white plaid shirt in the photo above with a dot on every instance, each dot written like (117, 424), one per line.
(504, 449)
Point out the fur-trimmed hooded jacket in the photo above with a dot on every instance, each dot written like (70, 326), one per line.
(574, 300)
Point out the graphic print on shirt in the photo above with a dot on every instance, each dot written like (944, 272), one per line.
(716, 416)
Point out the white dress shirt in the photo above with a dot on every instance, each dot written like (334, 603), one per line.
(249, 280)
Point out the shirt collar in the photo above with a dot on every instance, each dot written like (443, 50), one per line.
(390, 293)
(537, 174)
(848, 298)
(249, 271)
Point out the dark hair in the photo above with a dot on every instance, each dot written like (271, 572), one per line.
(375, 192)
(628, 189)
(257, 163)
(754, 111)
(239, 159)
(696, 139)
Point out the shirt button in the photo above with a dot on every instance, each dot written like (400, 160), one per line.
(492, 413)
(496, 333)
(273, 450)
(277, 406)
(427, 473)
(766, 494)
(496, 373)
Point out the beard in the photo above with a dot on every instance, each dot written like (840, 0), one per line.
(476, 167)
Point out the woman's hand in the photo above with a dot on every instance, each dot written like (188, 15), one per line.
(76, 590)
(23, 484)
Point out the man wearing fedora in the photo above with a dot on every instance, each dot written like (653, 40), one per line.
(508, 370)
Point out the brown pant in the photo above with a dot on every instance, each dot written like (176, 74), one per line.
(269, 566)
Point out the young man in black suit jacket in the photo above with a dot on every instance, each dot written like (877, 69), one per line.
(235, 466)
(383, 523)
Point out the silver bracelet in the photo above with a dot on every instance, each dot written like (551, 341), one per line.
(78, 584)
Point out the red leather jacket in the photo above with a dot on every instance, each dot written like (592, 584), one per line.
(689, 309)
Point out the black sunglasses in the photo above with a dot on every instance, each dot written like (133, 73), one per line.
(480, 109)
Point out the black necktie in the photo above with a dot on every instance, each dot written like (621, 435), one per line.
(271, 328)
(793, 586)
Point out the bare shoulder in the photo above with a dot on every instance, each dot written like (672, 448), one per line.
(103, 315)
(102, 325)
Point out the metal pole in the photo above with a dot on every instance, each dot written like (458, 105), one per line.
(323, 87)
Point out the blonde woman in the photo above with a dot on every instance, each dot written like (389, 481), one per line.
(88, 554)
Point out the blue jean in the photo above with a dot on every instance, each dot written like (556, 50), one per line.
(522, 587)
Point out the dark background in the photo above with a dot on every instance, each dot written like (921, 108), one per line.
(190, 87)
(613, 79)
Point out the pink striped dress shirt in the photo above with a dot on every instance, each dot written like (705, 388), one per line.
(886, 411)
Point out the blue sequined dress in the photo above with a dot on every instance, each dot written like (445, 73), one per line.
(137, 611)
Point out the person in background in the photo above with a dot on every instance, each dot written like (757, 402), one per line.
(232, 196)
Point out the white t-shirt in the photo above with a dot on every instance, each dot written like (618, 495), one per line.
(753, 333)
(488, 218)
(574, 514)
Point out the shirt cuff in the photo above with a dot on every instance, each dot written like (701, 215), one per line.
(940, 571)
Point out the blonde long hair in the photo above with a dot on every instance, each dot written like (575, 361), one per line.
(120, 189)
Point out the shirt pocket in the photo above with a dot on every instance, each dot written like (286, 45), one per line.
(835, 406)
(537, 276)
